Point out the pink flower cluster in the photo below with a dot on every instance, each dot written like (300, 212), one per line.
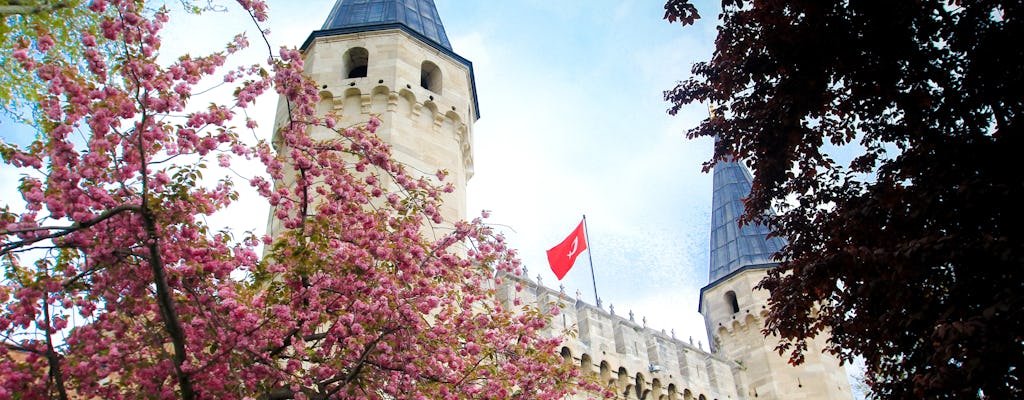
(131, 294)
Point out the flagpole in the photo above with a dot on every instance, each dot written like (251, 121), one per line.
(586, 233)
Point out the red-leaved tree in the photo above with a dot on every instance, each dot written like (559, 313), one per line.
(116, 287)
(910, 256)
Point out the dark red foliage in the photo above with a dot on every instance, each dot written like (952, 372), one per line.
(912, 254)
(682, 11)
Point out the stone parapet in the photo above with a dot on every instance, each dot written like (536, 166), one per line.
(635, 361)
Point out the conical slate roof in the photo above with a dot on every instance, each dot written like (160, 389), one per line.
(734, 247)
(416, 16)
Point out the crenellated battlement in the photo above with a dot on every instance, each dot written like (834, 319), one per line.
(424, 96)
(743, 320)
(401, 68)
(635, 361)
(358, 98)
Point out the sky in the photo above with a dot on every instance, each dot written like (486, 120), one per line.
(572, 123)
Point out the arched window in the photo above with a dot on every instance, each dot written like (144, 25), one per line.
(586, 364)
(623, 381)
(566, 355)
(730, 298)
(356, 59)
(641, 386)
(430, 77)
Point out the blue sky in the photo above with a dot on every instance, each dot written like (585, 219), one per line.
(572, 123)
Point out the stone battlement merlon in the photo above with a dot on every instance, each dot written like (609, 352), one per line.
(622, 352)
(397, 63)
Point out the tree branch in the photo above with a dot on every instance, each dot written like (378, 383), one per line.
(63, 231)
(360, 364)
(52, 357)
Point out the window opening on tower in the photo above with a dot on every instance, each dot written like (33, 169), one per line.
(356, 61)
(730, 297)
(430, 77)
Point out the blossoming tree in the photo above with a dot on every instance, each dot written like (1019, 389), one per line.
(116, 287)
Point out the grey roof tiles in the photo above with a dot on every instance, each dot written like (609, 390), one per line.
(419, 16)
(734, 247)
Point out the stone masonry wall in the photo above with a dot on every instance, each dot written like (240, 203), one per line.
(637, 362)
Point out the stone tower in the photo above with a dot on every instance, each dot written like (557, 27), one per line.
(734, 312)
(392, 59)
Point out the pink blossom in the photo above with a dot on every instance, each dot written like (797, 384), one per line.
(292, 309)
(88, 39)
(45, 42)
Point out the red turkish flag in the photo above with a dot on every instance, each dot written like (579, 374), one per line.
(563, 255)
